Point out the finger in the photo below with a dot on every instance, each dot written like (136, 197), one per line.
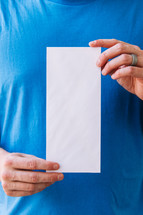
(128, 71)
(114, 64)
(15, 193)
(31, 163)
(105, 43)
(31, 176)
(114, 70)
(25, 186)
(114, 51)
(108, 43)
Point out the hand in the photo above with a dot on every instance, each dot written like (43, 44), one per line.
(18, 179)
(120, 69)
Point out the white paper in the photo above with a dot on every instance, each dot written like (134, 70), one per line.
(73, 108)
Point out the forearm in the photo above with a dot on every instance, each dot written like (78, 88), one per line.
(3, 153)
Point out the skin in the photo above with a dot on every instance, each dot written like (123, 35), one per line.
(16, 169)
(119, 54)
(19, 179)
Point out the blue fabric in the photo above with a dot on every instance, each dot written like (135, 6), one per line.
(26, 29)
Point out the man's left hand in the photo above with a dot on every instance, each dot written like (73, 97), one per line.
(119, 67)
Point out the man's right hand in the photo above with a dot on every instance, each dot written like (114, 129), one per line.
(19, 179)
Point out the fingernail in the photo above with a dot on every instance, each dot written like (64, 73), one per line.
(113, 76)
(56, 166)
(60, 177)
(98, 62)
(92, 43)
(103, 72)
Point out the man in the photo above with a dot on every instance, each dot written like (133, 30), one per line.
(26, 29)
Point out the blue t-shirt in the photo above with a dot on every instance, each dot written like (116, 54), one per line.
(26, 29)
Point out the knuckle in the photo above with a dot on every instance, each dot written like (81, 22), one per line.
(104, 54)
(5, 185)
(49, 178)
(137, 47)
(13, 186)
(52, 179)
(101, 41)
(120, 47)
(130, 70)
(114, 40)
(46, 179)
(5, 175)
(32, 164)
(108, 66)
(31, 187)
(8, 161)
(34, 178)
(126, 58)
(49, 166)
(13, 176)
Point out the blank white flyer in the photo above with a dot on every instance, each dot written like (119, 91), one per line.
(73, 109)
